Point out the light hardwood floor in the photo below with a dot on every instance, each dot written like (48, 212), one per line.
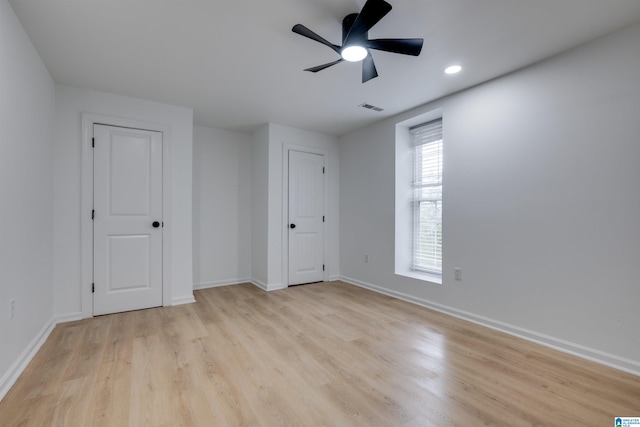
(325, 354)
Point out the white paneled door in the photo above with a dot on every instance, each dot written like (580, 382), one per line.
(127, 225)
(306, 217)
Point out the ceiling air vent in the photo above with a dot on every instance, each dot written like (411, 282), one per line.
(371, 107)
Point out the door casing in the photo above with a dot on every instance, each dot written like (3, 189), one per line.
(88, 120)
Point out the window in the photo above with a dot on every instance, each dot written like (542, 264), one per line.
(418, 197)
(426, 204)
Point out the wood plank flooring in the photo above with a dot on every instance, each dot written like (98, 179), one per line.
(327, 354)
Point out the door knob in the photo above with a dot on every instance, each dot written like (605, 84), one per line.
(156, 224)
(292, 226)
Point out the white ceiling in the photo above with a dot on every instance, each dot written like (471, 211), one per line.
(238, 65)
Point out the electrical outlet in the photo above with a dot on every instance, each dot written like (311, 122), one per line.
(366, 258)
(457, 274)
(12, 308)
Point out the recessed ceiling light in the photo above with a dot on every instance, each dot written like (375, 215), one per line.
(354, 53)
(453, 69)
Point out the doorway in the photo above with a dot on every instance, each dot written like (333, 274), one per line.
(306, 217)
(127, 219)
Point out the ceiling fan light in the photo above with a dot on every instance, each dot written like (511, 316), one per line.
(354, 53)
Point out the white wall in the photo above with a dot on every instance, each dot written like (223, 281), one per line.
(541, 202)
(269, 215)
(221, 207)
(70, 104)
(26, 194)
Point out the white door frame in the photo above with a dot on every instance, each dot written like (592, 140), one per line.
(88, 120)
(285, 208)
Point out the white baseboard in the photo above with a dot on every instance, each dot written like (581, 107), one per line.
(268, 288)
(219, 283)
(276, 287)
(257, 283)
(11, 376)
(611, 360)
(71, 317)
(333, 278)
(188, 299)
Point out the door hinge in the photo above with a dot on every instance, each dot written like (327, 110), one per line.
(322, 267)
(323, 169)
(93, 288)
(322, 218)
(93, 213)
(93, 142)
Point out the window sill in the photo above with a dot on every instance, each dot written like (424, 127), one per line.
(425, 277)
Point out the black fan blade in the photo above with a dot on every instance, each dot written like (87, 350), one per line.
(372, 12)
(323, 66)
(368, 69)
(304, 31)
(402, 46)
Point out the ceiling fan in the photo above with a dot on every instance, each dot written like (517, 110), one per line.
(355, 41)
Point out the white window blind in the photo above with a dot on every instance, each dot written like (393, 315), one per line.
(427, 197)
